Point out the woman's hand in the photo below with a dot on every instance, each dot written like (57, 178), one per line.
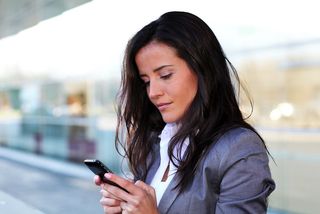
(140, 198)
(109, 202)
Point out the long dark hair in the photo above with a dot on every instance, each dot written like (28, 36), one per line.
(213, 112)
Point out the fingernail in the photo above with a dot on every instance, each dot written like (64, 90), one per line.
(107, 175)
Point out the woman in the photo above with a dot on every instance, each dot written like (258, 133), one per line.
(188, 146)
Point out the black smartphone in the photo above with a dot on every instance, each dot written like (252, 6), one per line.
(98, 168)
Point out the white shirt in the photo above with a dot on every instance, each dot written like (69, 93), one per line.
(167, 133)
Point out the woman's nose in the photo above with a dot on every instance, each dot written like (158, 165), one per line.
(155, 89)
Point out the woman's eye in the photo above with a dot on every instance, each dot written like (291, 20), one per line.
(166, 76)
(147, 83)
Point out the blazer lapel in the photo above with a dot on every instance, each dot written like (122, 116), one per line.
(170, 193)
(154, 164)
(169, 196)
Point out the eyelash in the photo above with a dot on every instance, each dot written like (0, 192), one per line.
(164, 77)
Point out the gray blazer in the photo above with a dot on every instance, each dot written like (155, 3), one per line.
(234, 177)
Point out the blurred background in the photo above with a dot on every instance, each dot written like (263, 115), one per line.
(60, 63)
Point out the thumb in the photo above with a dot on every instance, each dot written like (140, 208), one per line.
(149, 189)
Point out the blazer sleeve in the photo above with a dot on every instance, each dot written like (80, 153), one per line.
(245, 179)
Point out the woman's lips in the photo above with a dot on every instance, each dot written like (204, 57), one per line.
(163, 106)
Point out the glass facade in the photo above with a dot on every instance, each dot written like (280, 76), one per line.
(284, 84)
(68, 120)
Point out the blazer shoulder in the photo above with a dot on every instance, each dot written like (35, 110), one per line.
(234, 145)
(238, 141)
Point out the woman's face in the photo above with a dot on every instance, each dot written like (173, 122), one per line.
(171, 85)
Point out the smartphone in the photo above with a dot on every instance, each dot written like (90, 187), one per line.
(98, 168)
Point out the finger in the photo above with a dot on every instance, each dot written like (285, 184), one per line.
(143, 185)
(111, 210)
(123, 195)
(124, 183)
(149, 189)
(116, 193)
(126, 207)
(97, 180)
(107, 194)
(110, 202)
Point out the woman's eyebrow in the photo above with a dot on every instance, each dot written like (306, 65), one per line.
(161, 67)
(156, 70)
